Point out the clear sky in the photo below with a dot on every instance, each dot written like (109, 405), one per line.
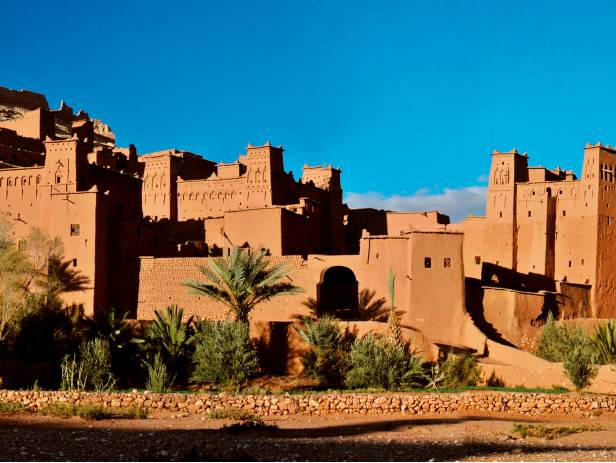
(408, 98)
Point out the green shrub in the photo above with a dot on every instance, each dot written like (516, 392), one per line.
(158, 379)
(91, 412)
(604, 343)
(172, 338)
(579, 368)
(327, 358)
(223, 353)
(460, 370)
(12, 408)
(377, 363)
(556, 341)
(434, 377)
(549, 432)
(91, 370)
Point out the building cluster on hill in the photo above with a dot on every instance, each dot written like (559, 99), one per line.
(136, 224)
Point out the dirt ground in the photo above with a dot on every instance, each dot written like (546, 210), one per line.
(298, 438)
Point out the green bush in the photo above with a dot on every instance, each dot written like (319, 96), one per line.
(377, 363)
(579, 368)
(92, 412)
(556, 341)
(91, 370)
(459, 371)
(223, 353)
(158, 379)
(327, 358)
(171, 338)
(604, 343)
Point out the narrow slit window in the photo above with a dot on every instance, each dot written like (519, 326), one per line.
(477, 260)
(427, 262)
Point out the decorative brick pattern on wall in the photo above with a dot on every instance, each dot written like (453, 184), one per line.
(159, 286)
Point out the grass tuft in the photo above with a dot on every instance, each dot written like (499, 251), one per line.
(92, 412)
(549, 432)
(7, 408)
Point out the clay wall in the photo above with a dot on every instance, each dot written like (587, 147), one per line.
(20, 151)
(159, 283)
(436, 282)
(574, 300)
(514, 313)
(213, 197)
(159, 192)
(35, 124)
(604, 170)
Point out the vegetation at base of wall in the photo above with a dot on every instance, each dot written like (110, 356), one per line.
(91, 370)
(604, 343)
(578, 366)
(525, 430)
(242, 280)
(557, 340)
(327, 359)
(92, 412)
(158, 378)
(223, 353)
(12, 408)
(377, 362)
(171, 338)
(460, 371)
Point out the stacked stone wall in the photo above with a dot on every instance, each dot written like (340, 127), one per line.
(489, 402)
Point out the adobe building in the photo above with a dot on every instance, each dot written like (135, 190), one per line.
(137, 225)
(546, 230)
(62, 172)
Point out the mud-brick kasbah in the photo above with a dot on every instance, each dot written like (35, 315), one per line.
(137, 224)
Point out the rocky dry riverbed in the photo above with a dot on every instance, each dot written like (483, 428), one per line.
(335, 437)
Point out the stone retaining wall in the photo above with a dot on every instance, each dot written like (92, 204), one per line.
(322, 404)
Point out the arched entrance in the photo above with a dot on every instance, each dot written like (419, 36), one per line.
(337, 292)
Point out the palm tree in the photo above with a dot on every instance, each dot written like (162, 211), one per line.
(241, 281)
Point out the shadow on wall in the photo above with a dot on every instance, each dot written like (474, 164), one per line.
(369, 308)
(501, 277)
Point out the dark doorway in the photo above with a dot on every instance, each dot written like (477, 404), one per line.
(337, 292)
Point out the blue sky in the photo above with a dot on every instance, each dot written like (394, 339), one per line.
(408, 98)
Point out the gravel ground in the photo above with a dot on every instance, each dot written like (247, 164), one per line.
(299, 438)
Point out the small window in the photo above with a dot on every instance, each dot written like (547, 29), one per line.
(564, 213)
(477, 260)
(569, 263)
(75, 229)
(582, 261)
(74, 262)
(58, 179)
(447, 262)
(500, 214)
(529, 213)
(427, 262)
